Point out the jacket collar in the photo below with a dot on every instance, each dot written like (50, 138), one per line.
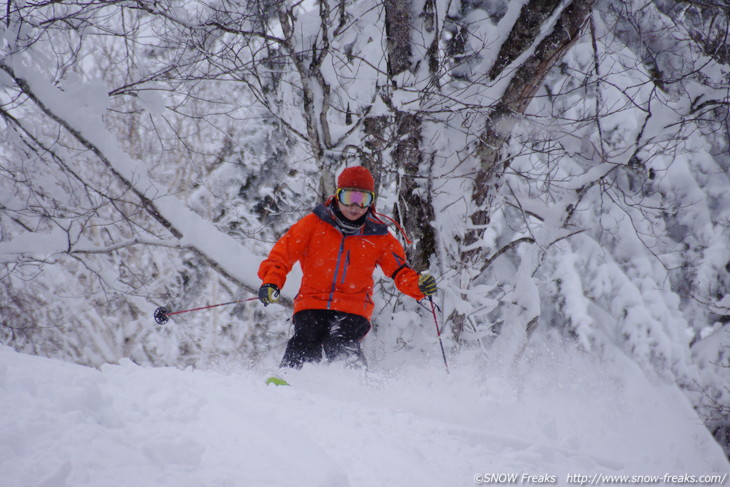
(371, 226)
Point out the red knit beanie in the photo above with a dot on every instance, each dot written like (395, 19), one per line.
(356, 177)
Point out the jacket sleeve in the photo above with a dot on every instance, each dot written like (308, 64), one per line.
(286, 252)
(394, 265)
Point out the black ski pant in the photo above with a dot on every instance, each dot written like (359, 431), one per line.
(336, 333)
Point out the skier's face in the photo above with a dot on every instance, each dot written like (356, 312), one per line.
(352, 212)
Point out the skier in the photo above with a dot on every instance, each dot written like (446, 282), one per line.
(338, 246)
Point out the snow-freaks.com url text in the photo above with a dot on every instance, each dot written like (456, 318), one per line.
(600, 479)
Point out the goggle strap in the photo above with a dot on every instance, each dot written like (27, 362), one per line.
(403, 232)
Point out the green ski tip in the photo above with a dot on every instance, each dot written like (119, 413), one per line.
(276, 381)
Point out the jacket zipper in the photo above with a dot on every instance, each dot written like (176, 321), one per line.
(347, 266)
(337, 271)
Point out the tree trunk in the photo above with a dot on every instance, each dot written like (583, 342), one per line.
(398, 33)
(415, 208)
(394, 140)
(518, 95)
(532, 16)
(514, 102)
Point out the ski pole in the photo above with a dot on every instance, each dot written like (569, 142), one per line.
(438, 332)
(162, 314)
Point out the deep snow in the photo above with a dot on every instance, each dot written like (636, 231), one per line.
(559, 412)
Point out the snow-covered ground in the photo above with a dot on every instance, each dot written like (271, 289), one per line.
(558, 415)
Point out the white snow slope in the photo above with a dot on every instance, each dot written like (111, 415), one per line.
(558, 416)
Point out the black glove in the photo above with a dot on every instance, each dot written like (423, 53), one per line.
(427, 284)
(269, 293)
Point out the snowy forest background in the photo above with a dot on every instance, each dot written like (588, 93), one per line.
(561, 166)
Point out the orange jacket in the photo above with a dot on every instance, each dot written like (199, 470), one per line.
(338, 269)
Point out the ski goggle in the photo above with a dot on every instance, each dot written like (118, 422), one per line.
(355, 197)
